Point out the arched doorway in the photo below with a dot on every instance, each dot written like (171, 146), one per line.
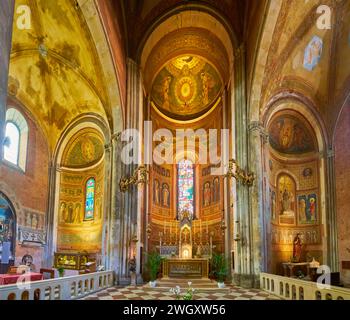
(7, 234)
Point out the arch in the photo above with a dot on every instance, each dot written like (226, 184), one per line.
(313, 214)
(296, 102)
(84, 122)
(272, 12)
(189, 16)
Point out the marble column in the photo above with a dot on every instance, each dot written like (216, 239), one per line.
(227, 184)
(258, 207)
(6, 21)
(108, 206)
(131, 200)
(248, 215)
(331, 213)
(242, 254)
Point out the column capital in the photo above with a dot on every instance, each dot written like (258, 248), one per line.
(257, 126)
(239, 52)
(116, 137)
(330, 153)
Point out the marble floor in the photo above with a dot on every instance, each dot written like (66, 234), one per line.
(147, 293)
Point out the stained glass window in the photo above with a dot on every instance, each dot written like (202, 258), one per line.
(185, 187)
(90, 199)
(11, 149)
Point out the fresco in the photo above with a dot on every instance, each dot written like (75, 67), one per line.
(186, 87)
(7, 227)
(313, 53)
(80, 209)
(85, 149)
(286, 200)
(54, 69)
(289, 135)
(307, 209)
(165, 195)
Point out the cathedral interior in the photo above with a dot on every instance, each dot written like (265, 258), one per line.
(210, 136)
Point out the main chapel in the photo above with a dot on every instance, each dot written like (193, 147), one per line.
(146, 144)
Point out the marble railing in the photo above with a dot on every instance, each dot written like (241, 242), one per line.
(66, 288)
(296, 289)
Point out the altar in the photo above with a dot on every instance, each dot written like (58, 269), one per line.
(186, 268)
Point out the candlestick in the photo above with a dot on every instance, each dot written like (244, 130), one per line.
(194, 231)
(200, 230)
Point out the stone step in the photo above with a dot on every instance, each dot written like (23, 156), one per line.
(198, 284)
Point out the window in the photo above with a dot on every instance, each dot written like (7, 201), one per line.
(11, 148)
(16, 139)
(185, 174)
(90, 199)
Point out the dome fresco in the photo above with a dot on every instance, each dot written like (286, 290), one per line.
(186, 87)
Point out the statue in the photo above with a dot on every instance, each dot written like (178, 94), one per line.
(297, 248)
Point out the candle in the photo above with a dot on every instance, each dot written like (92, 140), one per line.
(164, 230)
(207, 227)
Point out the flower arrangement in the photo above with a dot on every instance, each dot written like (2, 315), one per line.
(188, 296)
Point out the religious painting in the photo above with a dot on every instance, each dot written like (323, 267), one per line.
(84, 149)
(307, 209)
(185, 186)
(273, 204)
(7, 230)
(307, 173)
(90, 199)
(186, 87)
(289, 135)
(156, 192)
(313, 53)
(311, 209)
(206, 194)
(216, 190)
(286, 200)
(165, 196)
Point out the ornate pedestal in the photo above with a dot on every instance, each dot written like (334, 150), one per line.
(186, 268)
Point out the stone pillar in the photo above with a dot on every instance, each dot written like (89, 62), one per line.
(227, 183)
(257, 204)
(243, 265)
(249, 200)
(131, 214)
(108, 212)
(331, 213)
(116, 218)
(6, 21)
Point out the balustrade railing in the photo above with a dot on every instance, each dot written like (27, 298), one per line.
(296, 289)
(66, 288)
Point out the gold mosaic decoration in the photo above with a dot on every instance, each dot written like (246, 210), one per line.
(186, 87)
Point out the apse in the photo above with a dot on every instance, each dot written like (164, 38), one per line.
(81, 190)
(294, 190)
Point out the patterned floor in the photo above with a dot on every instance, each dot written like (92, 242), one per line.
(146, 293)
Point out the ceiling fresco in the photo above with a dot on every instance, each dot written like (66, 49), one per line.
(186, 87)
(290, 135)
(307, 60)
(55, 70)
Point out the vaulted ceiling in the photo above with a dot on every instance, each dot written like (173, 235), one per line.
(141, 16)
